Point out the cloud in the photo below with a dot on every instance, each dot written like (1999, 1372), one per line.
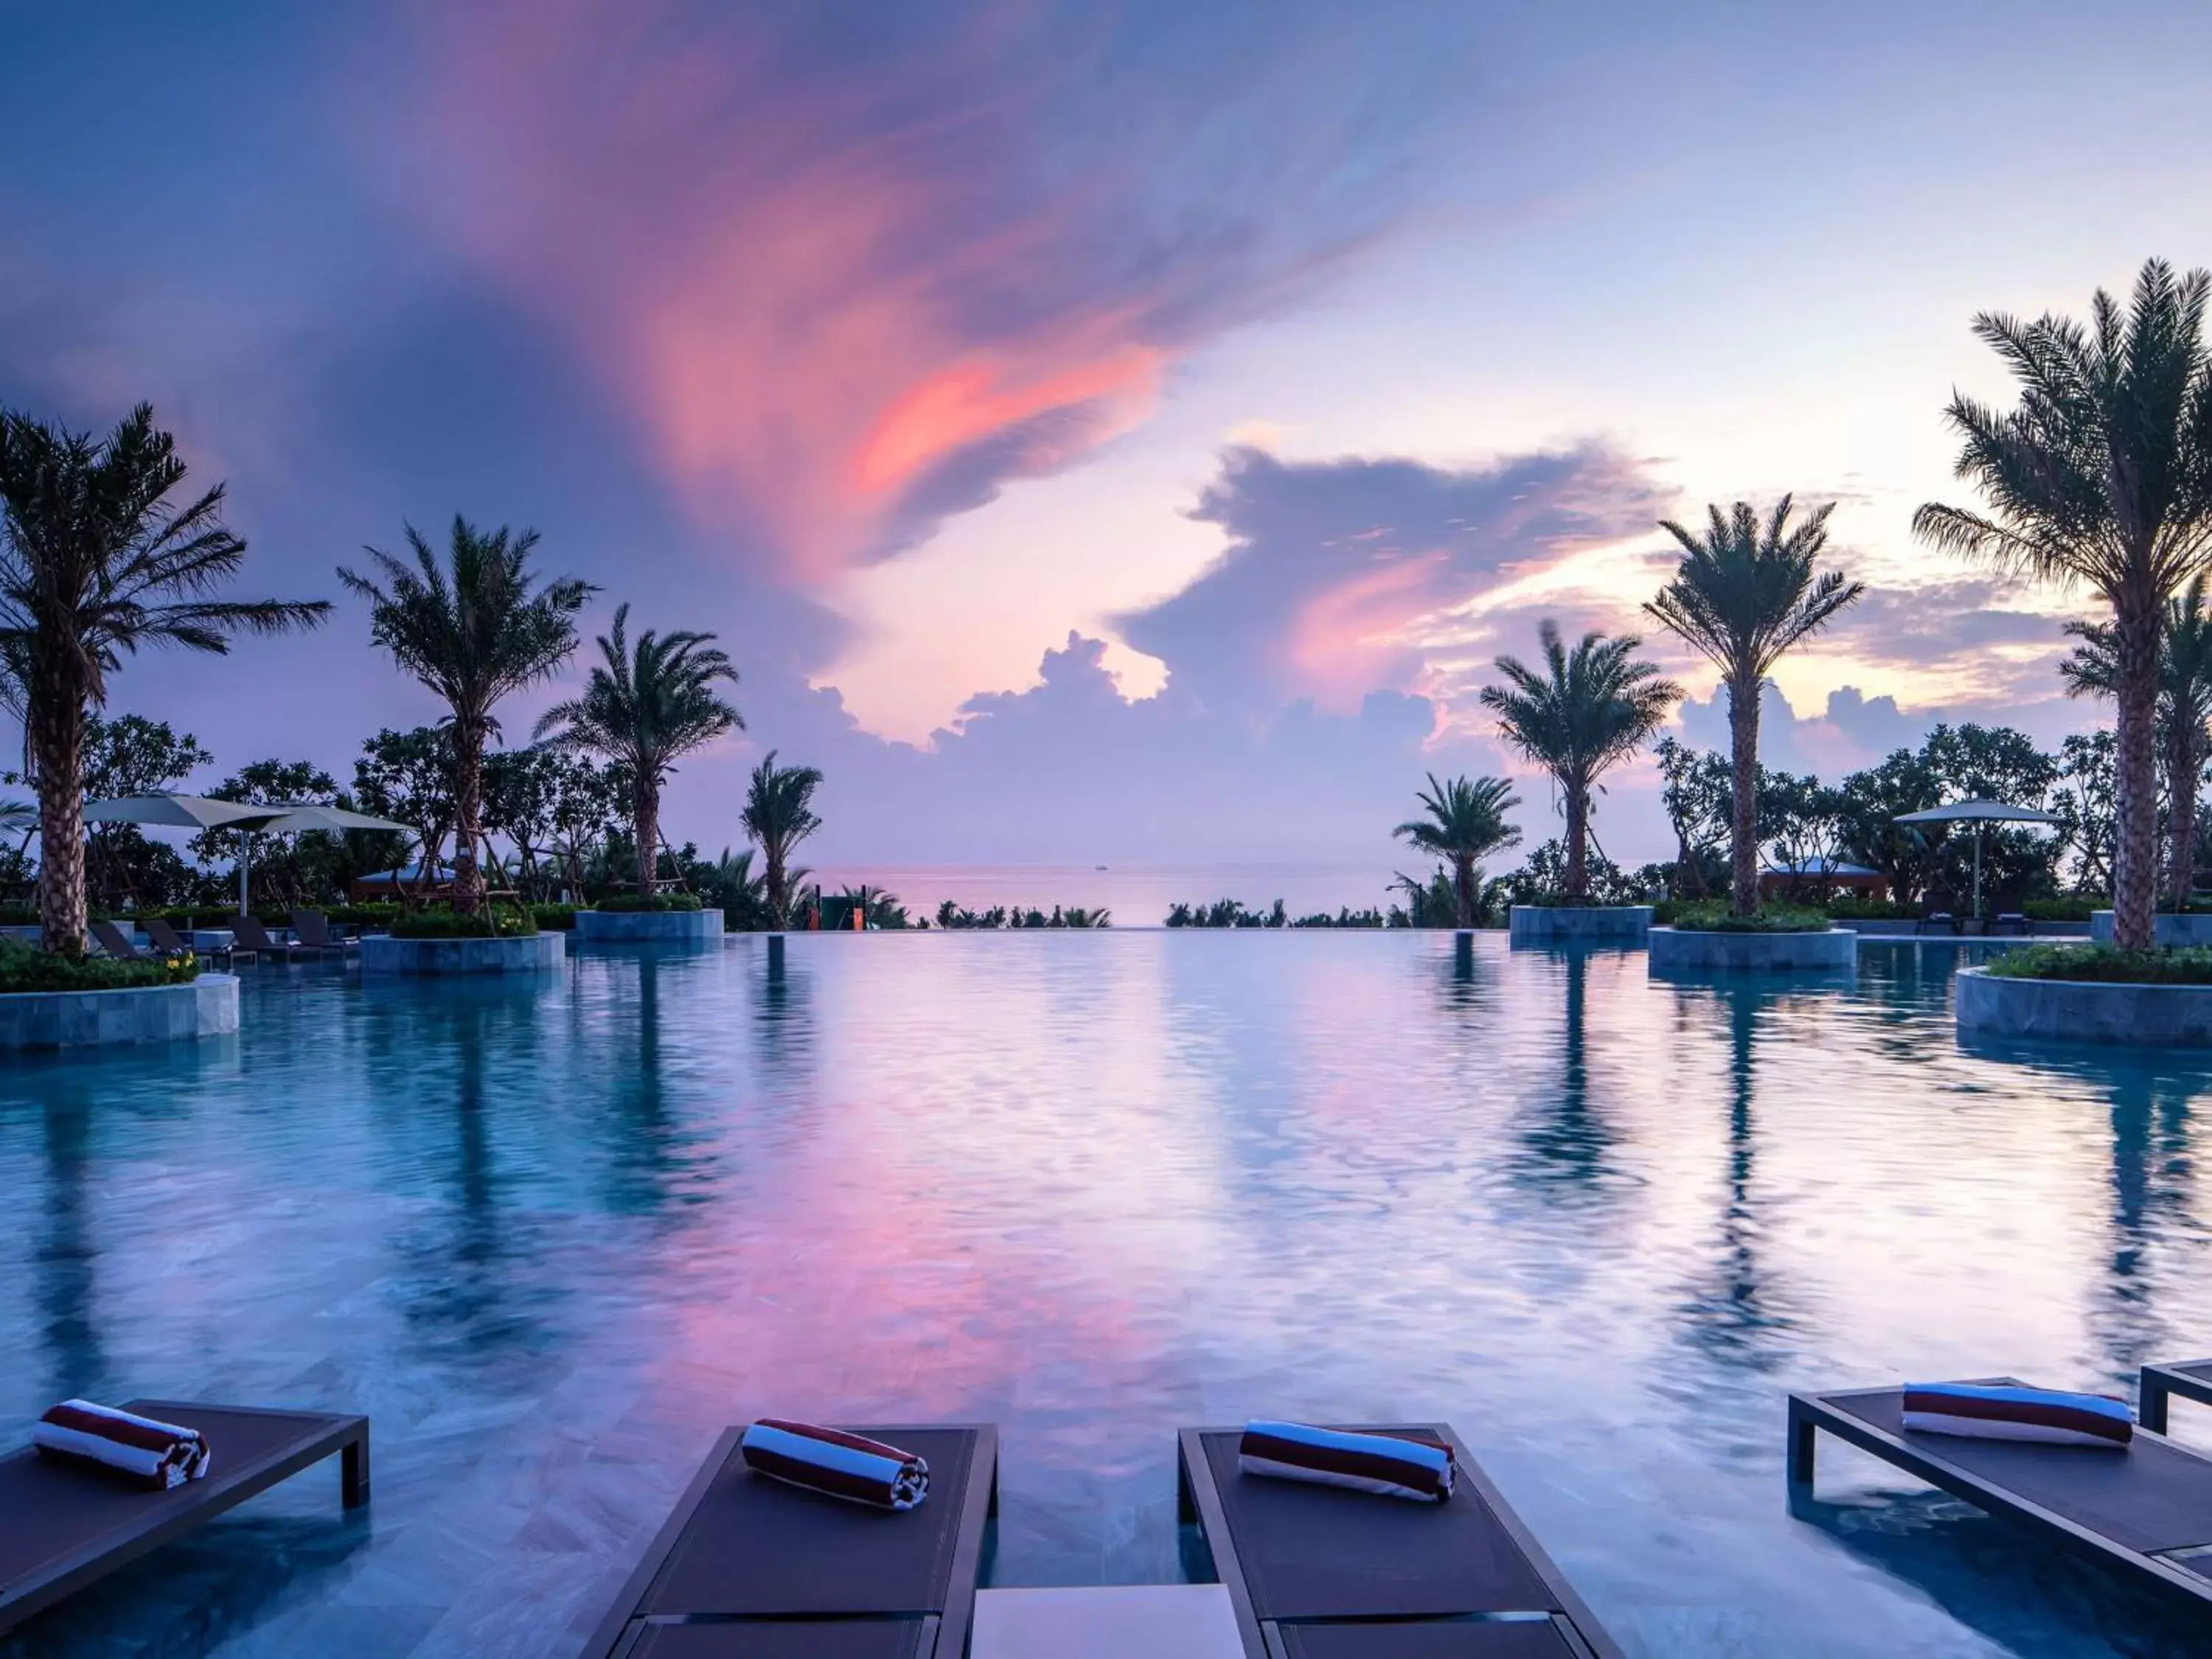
(1348, 576)
(853, 267)
(1854, 731)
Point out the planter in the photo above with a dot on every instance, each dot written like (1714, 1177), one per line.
(1539, 924)
(649, 926)
(2169, 930)
(2084, 1011)
(1832, 949)
(207, 1007)
(532, 953)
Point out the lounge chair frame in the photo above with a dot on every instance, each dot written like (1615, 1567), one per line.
(1811, 1414)
(623, 1627)
(2192, 1379)
(1199, 1499)
(322, 1434)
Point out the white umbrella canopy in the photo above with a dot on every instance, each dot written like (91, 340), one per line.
(180, 812)
(294, 820)
(1979, 813)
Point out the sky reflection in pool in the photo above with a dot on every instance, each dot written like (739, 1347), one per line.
(1094, 1186)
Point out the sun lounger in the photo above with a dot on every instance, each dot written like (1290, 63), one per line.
(751, 1568)
(2145, 1511)
(312, 929)
(249, 932)
(171, 943)
(63, 1527)
(1938, 914)
(114, 941)
(2191, 1380)
(1318, 1573)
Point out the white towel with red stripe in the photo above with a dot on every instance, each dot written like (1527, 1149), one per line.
(158, 1455)
(831, 1462)
(1388, 1465)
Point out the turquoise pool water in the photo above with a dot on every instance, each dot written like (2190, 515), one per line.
(1095, 1187)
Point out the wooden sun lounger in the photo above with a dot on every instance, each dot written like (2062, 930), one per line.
(2145, 1511)
(750, 1568)
(114, 941)
(2191, 1380)
(62, 1527)
(250, 933)
(1317, 1572)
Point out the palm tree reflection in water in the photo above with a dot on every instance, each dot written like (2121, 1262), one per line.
(68, 1257)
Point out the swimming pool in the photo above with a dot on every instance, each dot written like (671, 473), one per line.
(1093, 1187)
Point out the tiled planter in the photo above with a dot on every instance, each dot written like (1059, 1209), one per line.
(533, 953)
(1541, 924)
(2190, 929)
(2084, 1011)
(649, 926)
(207, 1007)
(1833, 949)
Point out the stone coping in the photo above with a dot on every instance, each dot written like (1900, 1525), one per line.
(1528, 923)
(1830, 949)
(531, 953)
(2083, 1011)
(205, 1006)
(649, 926)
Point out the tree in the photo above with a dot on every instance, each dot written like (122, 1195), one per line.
(2088, 819)
(643, 709)
(408, 776)
(1465, 823)
(1956, 763)
(780, 814)
(96, 561)
(473, 630)
(2101, 475)
(1583, 713)
(2183, 706)
(132, 755)
(1744, 593)
(308, 867)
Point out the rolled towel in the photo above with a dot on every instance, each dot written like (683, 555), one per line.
(1421, 1470)
(2000, 1412)
(842, 1465)
(158, 1455)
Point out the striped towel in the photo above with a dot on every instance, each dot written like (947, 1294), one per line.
(1419, 1470)
(158, 1455)
(1988, 1412)
(842, 1465)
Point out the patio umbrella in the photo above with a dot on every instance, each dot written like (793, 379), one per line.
(188, 813)
(297, 820)
(1981, 814)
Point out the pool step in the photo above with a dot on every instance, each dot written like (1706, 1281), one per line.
(1111, 1622)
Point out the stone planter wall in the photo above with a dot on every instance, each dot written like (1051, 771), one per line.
(1832, 951)
(207, 1007)
(533, 953)
(2083, 1011)
(649, 926)
(2170, 930)
(1538, 924)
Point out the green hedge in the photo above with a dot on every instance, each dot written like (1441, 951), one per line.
(1712, 917)
(505, 923)
(2106, 964)
(1850, 906)
(26, 967)
(657, 902)
(554, 918)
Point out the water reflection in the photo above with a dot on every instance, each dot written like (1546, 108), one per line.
(67, 1260)
(1567, 1138)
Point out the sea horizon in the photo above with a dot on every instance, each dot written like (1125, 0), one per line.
(1135, 895)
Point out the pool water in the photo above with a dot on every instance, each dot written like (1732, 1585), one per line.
(552, 1238)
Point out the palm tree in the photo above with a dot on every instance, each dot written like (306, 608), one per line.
(780, 814)
(643, 709)
(2185, 705)
(94, 562)
(2101, 475)
(473, 631)
(1465, 823)
(1583, 711)
(1744, 593)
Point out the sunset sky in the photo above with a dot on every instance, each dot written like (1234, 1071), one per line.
(1098, 432)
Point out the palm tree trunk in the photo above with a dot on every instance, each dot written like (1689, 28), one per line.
(2183, 748)
(1463, 889)
(58, 736)
(2135, 853)
(779, 900)
(646, 825)
(1743, 733)
(468, 811)
(1577, 843)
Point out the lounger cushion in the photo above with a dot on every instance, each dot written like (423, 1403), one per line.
(1454, 1640)
(764, 1548)
(1986, 1411)
(1319, 1552)
(798, 1639)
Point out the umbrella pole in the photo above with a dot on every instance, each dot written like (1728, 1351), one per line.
(1977, 872)
(245, 868)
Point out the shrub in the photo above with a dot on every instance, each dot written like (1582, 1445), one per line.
(24, 967)
(2106, 964)
(501, 923)
(657, 902)
(1851, 907)
(18, 916)
(1712, 917)
(553, 918)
